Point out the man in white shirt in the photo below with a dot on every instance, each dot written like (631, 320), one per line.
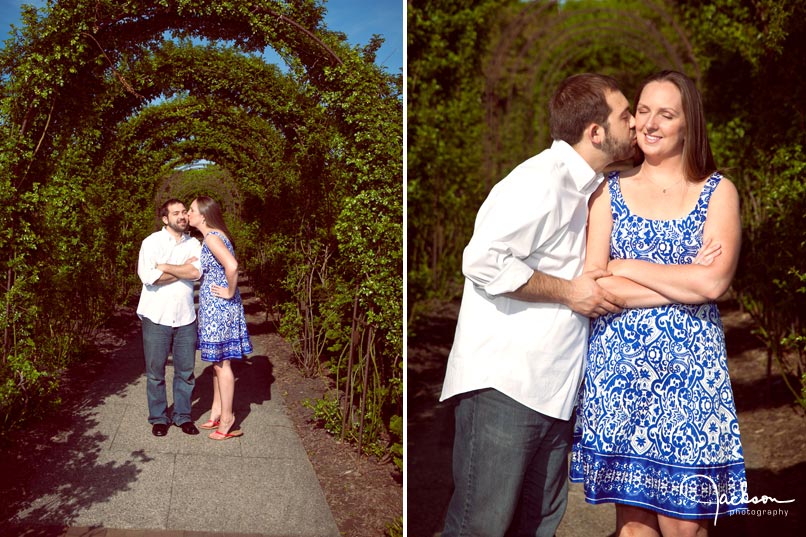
(168, 265)
(521, 337)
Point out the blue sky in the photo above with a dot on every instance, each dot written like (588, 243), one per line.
(358, 19)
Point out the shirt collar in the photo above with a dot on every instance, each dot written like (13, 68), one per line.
(182, 238)
(585, 178)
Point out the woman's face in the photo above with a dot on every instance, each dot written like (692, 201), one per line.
(194, 216)
(659, 120)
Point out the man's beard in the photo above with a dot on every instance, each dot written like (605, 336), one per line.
(617, 149)
(179, 227)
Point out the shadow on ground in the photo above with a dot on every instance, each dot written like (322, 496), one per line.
(64, 450)
(65, 457)
(253, 376)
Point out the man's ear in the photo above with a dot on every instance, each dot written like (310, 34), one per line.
(165, 220)
(596, 134)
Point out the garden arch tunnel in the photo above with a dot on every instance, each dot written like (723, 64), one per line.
(247, 124)
(98, 107)
(545, 42)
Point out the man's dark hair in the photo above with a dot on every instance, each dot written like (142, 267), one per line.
(163, 210)
(579, 101)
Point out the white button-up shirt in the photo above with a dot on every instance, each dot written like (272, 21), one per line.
(170, 304)
(534, 219)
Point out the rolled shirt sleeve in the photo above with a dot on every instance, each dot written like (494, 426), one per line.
(146, 263)
(503, 253)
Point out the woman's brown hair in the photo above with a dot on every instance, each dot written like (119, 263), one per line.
(697, 156)
(211, 211)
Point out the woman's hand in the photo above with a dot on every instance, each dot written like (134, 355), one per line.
(221, 292)
(708, 252)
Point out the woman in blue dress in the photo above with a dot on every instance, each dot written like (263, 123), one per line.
(222, 324)
(656, 430)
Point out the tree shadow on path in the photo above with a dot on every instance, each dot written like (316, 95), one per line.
(55, 468)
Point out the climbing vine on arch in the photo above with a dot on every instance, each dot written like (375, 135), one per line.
(102, 99)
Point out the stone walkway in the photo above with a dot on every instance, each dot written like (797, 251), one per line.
(96, 470)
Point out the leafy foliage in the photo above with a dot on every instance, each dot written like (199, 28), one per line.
(446, 40)
(108, 108)
(754, 57)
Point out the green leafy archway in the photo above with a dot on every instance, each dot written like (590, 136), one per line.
(102, 102)
(540, 45)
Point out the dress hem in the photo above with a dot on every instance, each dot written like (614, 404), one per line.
(731, 511)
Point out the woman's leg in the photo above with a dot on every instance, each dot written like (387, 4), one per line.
(636, 522)
(226, 391)
(676, 527)
(215, 409)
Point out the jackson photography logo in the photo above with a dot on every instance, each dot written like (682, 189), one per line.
(722, 499)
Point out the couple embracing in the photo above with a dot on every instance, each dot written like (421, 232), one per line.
(170, 262)
(594, 298)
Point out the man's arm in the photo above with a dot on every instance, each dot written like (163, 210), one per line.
(173, 273)
(507, 229)
(582, 294)
(146, 264)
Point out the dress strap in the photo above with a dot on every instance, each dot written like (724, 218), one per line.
(220, 234)
(705, 196)
(223, 237)
(617, 204)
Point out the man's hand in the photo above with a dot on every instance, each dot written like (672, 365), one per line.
(588, 298)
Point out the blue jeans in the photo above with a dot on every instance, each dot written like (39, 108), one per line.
(510, 469)
(158, 341)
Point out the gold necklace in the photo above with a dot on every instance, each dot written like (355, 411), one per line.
(664, 189)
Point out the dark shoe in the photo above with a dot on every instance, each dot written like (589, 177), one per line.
(159, 429)
(188, 428)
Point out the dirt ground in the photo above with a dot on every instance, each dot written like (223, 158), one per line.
(365, 495)
(773, 432)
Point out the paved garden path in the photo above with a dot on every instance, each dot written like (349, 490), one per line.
(94, 469)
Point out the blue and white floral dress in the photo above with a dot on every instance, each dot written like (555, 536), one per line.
(222, 324)
(656, 423)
